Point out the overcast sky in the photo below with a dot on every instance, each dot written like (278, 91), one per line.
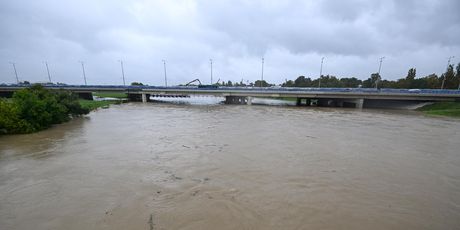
(292, 36)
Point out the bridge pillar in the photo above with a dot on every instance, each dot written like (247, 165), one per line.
(339, 103)
(145, 97)
(303, 101)
(359, 103)
(249, 100)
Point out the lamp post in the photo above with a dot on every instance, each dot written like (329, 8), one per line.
(15, 72)
(164, 67)
(83, 69)
(447, 69)
(48, 71)
(378, 73)
(122, 72)
(210, 61)
(320, 72)
(262, 76)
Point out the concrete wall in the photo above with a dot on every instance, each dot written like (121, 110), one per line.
(391, 104)
(237, 100)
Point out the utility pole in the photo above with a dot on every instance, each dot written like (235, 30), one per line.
(210, 60)
(262, 77)
(447, 69)
(320, 72)
(15, 72)
(48, 70)
(83, 69)
(378, 73)
(166, 79)
(122, 72)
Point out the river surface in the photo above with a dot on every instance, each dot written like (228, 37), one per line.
(178, 166)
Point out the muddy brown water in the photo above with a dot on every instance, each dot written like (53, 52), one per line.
(167, 166)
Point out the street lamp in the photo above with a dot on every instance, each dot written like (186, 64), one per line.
(378, 73)
(122, 72)
(48, 71)
(210, 60)
(320, 72)
(164, 66)
(83, 69)
(447, 69)
(15, 72)
(262, 77)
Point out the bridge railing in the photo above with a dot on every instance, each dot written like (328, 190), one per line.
(258, 89)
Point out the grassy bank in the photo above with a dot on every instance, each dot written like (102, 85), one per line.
(111, 94)
(92, 105)
(451, 109)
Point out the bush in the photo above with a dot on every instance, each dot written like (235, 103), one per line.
(36, 108)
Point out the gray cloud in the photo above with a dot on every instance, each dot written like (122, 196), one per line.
(291, 35)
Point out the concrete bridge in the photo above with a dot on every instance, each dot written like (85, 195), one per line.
(341, 97)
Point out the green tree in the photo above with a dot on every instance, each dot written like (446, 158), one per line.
(449, 81)
(370, 82)
(302, 81)
(10, 122)
(36, 108)
(457, 76)
(261, 83)
(289, 83)
(410, 78)
(350, 82)
(328, 81)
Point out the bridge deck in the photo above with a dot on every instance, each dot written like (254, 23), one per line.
(345, 93)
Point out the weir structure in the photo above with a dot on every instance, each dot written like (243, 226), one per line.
(330, 97)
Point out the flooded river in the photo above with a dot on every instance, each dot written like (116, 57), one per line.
(178, 166)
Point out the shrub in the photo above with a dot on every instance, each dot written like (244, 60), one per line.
(36, 108)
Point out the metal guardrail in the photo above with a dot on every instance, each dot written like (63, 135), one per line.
(267, 89)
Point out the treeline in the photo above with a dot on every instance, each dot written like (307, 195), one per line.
(36, 108)
(258, 83)
(448, 80)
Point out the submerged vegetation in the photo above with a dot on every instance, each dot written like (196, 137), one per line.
(36, 108)
(92, 105)
(451, 109)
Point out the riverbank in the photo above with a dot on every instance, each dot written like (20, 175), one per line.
(451, 109)
(111, 95)
(93, 105)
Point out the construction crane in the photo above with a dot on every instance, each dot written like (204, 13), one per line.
(196, 80)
